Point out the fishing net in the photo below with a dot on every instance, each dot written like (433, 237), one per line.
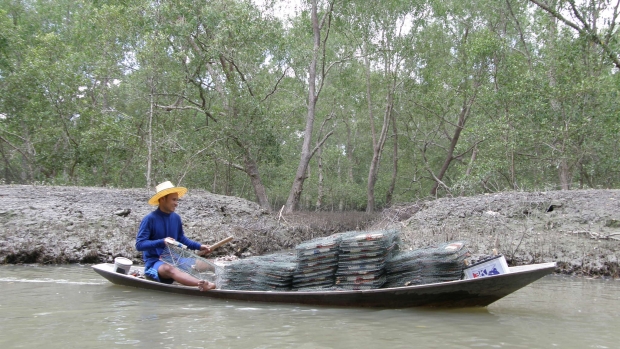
(345, 261)
(362, 258)
(237, 275)
(440, 263)
(178, 256)
(273, 272)
(317, 260)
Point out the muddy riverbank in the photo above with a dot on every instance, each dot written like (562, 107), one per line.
(580, 230)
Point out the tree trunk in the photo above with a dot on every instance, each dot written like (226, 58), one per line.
(349, 149)
(377, 151)
(319, 194)
(453, 142)
(149, 142)
(565, 175)
(556, 108)
(390, 193)
(251, 168)
(372, 178)
(377, 142)
(306, 154)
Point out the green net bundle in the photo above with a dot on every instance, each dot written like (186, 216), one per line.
(362, 257)
(440, 263)
(317, 260)
(272, 272)
(237, 275)
(275, 272)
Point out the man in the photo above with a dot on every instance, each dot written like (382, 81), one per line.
(161, 225)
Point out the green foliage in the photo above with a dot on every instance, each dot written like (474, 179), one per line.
(226, 85)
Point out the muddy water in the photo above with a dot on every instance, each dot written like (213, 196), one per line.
(72, 307)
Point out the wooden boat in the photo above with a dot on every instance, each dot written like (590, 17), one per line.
(478, 292)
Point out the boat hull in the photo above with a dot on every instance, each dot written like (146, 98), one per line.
(460, 293)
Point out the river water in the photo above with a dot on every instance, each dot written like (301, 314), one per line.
(73, 307)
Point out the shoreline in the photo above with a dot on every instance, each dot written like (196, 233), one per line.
(65, 225)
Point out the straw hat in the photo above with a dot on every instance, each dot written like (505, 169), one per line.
(164, 189)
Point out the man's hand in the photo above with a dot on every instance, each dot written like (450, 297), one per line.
(205, 249)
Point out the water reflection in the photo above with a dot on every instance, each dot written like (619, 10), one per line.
(50, 306)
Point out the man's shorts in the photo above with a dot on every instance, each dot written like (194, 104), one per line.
(152, 273)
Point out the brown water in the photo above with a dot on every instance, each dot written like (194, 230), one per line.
(73, 307)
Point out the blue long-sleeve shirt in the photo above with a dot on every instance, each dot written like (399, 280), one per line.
(155, 227)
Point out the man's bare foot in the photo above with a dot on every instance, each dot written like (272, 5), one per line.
(205, 285)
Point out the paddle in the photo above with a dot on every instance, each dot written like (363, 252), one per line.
(218, 244)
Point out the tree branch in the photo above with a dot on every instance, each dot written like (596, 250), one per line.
(585, 32)
(14, 147)
(468, 150)
(241, 75)
(275, 87)
(320, 143)
(612, 25)
(527, 51)
(197, 107)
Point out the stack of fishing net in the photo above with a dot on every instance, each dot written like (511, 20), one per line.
(317, 261)
(440, 263)
(362, 258)
(275, 272)
(272, 272)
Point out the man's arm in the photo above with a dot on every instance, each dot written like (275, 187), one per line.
(143, 241)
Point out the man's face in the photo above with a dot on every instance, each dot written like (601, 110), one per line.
(169, 203)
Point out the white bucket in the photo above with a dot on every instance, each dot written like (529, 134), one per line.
(122, 265)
